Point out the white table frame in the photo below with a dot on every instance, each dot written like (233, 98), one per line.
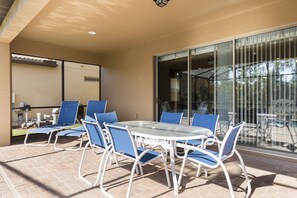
(170, 132)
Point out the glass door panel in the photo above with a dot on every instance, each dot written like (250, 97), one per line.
(172, 90)
(266, 84)
(211, 82)
(202, 79)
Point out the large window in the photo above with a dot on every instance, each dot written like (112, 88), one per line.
(266, 88)
(173, 83)
(197, 81)
(255, 81)
(40, 84)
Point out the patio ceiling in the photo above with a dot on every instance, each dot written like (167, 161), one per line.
(121, 24)
(4, 8)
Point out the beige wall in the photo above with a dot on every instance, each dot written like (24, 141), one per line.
(76, 88)
(33, 48)
(19, 46)
(127, 75)
(37, 86)
(5, 97)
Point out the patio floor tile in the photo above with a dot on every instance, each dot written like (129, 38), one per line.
(45, 172)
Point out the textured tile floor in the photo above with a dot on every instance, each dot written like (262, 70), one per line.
(45, 172)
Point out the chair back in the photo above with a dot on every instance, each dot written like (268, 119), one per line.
(95, 106)
(122, 140)
(110, 117)
(68, 112)
(171, 117)
(230, 140)
(95, 134)
(206, 121)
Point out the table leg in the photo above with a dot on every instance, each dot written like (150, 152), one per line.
(172, 163)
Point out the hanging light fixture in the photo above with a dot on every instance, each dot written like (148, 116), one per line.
(161, 3)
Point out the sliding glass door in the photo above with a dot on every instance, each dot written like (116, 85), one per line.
(197, 81)
(172, 90)
(255, 81)
(266, 88)
(212, 82)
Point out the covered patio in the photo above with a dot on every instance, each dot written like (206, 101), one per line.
(138, 53)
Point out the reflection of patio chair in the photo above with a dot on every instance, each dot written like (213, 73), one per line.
(67, 118)
(213, 159)
(165, 106)
(285, 109)
(202, 109)
(224, 120)
(93, 106)
(249, 116)
(122, 143)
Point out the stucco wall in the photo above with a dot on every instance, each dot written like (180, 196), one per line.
(34, 48)
(127, 75)
(5, 96)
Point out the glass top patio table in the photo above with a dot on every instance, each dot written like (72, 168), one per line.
(166, 131)
(157, 130)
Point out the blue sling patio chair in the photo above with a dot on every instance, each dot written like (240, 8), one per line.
(67, 118)
(201, 120)
(213, 159)
(108, 117)
(123, 144)
(206, 121)
(171, 117)
(93, 106)
(96, 135)
(97, 140)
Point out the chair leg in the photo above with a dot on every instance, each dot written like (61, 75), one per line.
(288, 127)
(55, 144)
(81, 163)
(245, 173)
(33, 144)
(228, 179)
(68, 149)
(131, 178)
(100, 167)
(141, 170)
(103, 174)
(115, 158)
(198, 170)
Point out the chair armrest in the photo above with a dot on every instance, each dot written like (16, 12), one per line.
(106, 135)
(202, 151)
(212, 139)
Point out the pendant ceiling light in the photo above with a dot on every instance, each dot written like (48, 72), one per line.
(161, 3)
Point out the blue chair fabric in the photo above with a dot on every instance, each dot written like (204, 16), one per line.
(122, 143)
(67, 118)
(93, 106)
(97, 140)
(213, 159)
(109, 117)
(171, 117)
(203, 120)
